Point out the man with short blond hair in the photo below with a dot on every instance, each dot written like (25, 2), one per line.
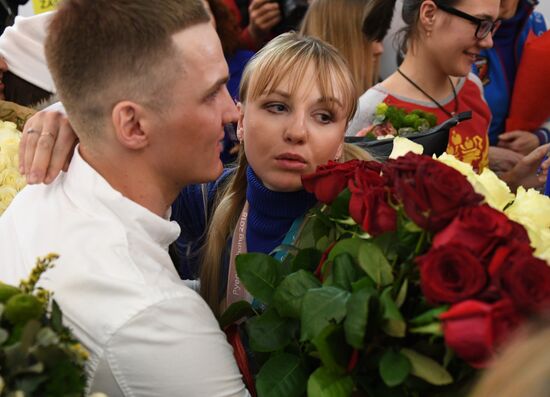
(143, 84)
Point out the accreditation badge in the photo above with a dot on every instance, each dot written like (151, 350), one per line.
(40, 6)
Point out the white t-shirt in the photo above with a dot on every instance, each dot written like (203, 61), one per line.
(148, 334)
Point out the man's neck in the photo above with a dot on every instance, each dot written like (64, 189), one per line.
(131, 177)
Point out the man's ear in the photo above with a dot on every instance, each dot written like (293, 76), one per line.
(128, 124)
(240, 128)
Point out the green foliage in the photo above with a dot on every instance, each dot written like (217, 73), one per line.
(282, 375)
(260, 274)
(38, 355)
(394, 368)
(324, 383)
(358, 324)
(414, 121)
(322, 306)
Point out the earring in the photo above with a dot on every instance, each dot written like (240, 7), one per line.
(240, 132)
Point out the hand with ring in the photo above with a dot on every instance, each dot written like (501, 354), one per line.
(46, 146)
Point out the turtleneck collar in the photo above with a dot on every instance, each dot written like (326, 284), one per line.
(271, 214)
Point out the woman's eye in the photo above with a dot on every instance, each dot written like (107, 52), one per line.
(324, 118)
(276, 107)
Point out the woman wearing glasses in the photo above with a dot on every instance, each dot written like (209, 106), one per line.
(441, 40)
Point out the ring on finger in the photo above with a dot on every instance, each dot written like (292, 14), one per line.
(46, 133)
(31, 131)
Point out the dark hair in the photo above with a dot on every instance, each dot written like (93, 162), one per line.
(226, 26)
(380, 14)
(22, 92)
(101, 52)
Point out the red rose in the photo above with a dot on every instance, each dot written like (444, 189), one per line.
(450, 274)
(368, 205)
(522, 277)
(431, 192)
(328, 181)
(475, 329)
(482, 229)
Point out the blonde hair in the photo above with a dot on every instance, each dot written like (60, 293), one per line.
(340, 23)
(287, 55)
(523, 369)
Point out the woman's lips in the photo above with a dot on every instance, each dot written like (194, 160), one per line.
(291, 161)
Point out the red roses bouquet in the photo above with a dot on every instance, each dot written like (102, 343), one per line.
(402, 284)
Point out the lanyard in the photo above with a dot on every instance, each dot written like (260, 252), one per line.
(235, 290)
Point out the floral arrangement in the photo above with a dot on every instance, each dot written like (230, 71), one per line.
(390, 121)
(403, 283)
(38, 355)
(11, 181)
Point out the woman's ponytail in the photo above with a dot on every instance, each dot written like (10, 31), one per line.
(378, 19)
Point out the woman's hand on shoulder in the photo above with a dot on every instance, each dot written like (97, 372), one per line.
(46, 146)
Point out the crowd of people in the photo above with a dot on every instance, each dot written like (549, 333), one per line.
(158, 96)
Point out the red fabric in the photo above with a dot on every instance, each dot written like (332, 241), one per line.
(234, 10)
(530, 106)
(234, 339)
(468, 141)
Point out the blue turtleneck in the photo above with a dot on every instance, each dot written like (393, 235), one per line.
(271, 213)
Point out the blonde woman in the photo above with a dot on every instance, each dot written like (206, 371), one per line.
(340, 23)
(297, 98)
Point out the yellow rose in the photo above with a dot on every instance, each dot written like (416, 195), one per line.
(465, 169)
(530, 208)
(12, 177)
(497, 193)
(402, 146)
(10, 147)
(7, 193)
(5, 161)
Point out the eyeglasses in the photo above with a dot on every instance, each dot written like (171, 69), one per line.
(484, 26)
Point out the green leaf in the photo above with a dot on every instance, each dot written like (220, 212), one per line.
(374, 263)
(427, 369)
(344, 271)
(268, 332)
(430, 329)
(282, 375)
(289, 294)
(356, 320)
(365, 282)
(56, 317)
(394, 324)
(430, 316)
(348, 245)
(235, 312)
(307, 259)
(394, 368)
(260, 275)
(320, 307)
(324, 383)
(339, 208)
(3, 336)
(402, 295)
(332, 348)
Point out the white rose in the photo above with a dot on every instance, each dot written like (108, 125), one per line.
(402, 146)
(12, 177)
(7, 193)
(530, 208)
(5, 161)
(496, 191)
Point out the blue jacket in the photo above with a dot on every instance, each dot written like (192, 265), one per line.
(497, 66)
